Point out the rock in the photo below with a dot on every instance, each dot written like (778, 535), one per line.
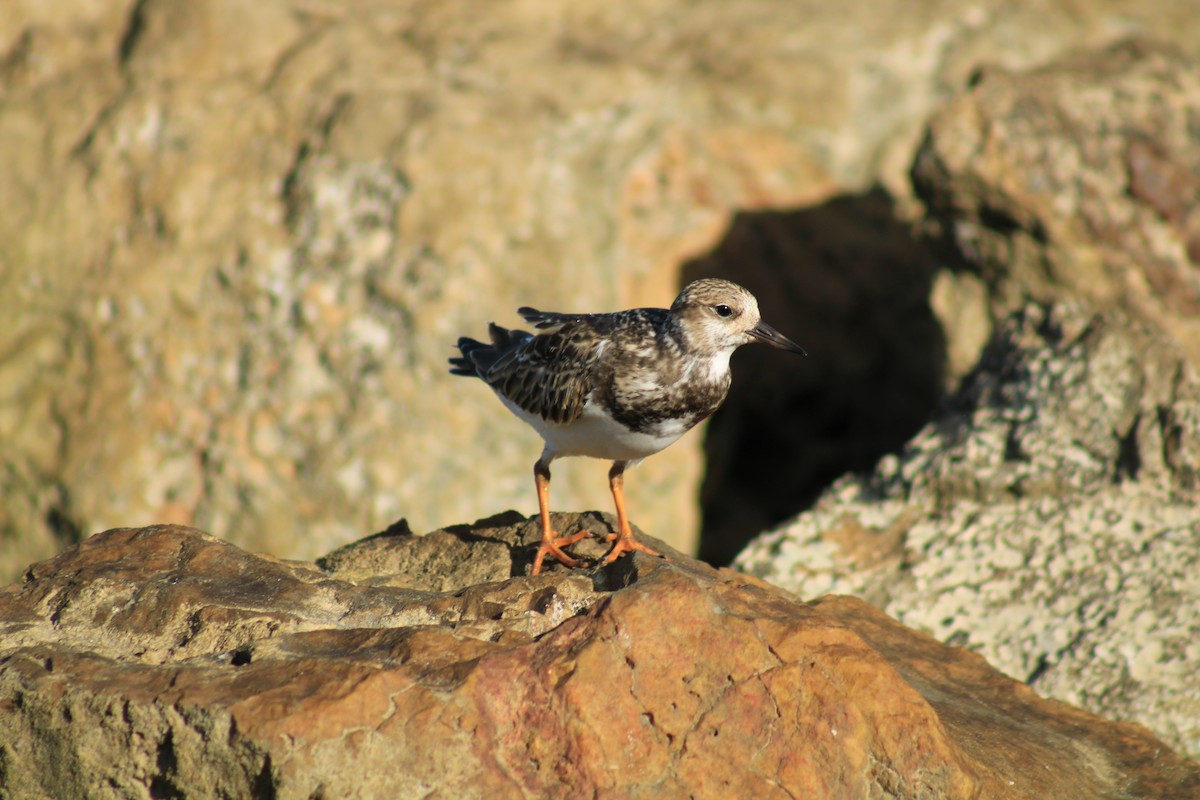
(237, 240)
(1077, 179)
(1047, 519)
(165, 662)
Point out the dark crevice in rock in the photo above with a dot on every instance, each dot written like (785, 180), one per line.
(62, 526)
(1129, 459)
(132, 34)
(162, 785)
(295, 191)
(850, 281)
(1039, 669)
(263, 787)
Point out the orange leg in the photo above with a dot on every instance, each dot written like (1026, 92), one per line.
(552, 543)
(625, 543)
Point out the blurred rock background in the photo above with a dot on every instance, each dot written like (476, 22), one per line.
(238, 240)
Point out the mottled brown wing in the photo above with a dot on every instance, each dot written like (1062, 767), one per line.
(551, 321)
(549, 375)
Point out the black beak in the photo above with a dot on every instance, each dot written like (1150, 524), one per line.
(768, 335)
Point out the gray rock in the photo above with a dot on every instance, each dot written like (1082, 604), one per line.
(1047, 519)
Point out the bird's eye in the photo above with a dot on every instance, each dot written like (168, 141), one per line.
(723, 311)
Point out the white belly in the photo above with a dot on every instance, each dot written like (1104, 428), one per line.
(597, 435)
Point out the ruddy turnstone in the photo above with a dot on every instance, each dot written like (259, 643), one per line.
(619, 386)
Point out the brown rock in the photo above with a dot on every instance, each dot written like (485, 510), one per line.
(164, 662)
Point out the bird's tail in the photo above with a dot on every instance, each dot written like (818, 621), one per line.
(477, 357)
(464, 365)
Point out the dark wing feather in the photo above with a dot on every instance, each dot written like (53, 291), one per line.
(548, 321)
(478, 358)
(465, 364)
(550, 374)
(636, 323)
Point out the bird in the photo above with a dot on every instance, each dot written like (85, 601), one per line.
(619, 386)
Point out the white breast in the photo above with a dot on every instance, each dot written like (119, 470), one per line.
(597, 435)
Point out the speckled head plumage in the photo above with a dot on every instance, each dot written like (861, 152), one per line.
(716, 315)
(621, 385)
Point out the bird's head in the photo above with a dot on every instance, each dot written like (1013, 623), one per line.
(717, 315)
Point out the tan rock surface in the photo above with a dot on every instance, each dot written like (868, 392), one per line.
(1079, 179)
(237, 239)
(164, 662)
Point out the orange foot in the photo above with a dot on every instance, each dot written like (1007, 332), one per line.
(552, 544)
(627, 544)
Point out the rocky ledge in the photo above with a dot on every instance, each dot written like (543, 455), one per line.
(163, 662)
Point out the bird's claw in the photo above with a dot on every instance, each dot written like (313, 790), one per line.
(627, 544)
(552, 545)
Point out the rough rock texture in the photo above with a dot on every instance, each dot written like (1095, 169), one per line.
(162, 662)
(1048, 519)
(1077, 179)
(236, 239)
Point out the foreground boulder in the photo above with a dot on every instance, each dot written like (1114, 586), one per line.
(162, 662)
